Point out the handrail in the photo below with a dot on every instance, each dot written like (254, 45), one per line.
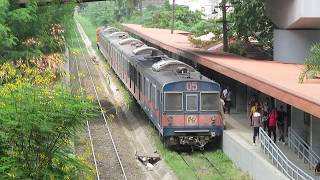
(279, 159)
(302, 149)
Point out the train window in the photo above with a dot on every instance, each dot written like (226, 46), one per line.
(173, 102)
(153, 94)
(192, 102)
(210, 101)
(157, 99)
(147, 87)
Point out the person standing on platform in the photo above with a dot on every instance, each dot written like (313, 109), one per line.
(256, 123)
(281, 117)
(265, 108)
(272, 124)
(227, 99)
(253, 110)
(222, 110)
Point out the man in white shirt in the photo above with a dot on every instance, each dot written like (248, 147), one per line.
(227, 99)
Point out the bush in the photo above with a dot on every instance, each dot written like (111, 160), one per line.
(197, 43)
(204, 27)
(237, 49)
(312, 64)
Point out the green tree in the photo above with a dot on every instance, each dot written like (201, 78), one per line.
(312, 64)
(36, 125)
(249, 19)
(28, 32)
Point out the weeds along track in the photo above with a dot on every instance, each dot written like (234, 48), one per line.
(213, 165)
(106, 159)
(201, 166)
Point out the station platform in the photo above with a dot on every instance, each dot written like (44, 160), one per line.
(238, 145)
(276, 79)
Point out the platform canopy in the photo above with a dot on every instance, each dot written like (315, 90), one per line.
(276, 79)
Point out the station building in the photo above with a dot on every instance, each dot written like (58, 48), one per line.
(273, 79)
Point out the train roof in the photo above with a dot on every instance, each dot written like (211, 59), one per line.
(155, 63)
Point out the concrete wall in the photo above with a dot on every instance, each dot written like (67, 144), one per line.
(248, 158)
(292, 46)
(315, 135)
(294, 14)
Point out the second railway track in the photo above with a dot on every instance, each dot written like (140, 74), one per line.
(106, 159)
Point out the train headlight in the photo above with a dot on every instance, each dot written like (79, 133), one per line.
(170, 120)
(213, 119)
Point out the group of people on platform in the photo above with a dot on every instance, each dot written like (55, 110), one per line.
(270, 119)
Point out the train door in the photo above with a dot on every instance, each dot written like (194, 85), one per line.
(147, 94)
(139, 87)
(191, 111)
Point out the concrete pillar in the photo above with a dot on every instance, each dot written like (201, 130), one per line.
(241, 98)
(297, 121)
(315, 134)
(292, 46)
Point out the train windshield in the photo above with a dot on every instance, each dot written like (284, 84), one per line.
(192, 102)
(173, 102)
(210, 101)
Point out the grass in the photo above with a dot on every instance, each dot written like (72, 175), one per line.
(172, 158)
(90, 30)
(199, 164)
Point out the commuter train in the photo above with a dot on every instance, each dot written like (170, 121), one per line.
(181, 103)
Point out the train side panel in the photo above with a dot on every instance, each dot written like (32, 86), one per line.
(142, 87)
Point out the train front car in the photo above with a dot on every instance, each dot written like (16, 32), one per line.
(191, 113)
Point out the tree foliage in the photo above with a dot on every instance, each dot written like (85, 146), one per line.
(249, 20)
(20, 26)
(38, 118)
(312, 64)
(37, 124)
(184, 18)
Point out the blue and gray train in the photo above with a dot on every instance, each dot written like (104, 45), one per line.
(182, 104)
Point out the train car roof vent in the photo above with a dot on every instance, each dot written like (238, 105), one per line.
(111, 30)
(119, 34)
(130, 40)
(183, 71)
(169, 65)
(146, 50)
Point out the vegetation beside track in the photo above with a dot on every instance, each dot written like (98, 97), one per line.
(38, 115)
(198, 166)
(90, 30)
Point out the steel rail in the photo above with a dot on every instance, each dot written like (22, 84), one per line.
(193, 170)
(100, 106)
(212, 165)
(88, 126)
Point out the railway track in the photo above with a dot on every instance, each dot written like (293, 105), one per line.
(105, 147)
(193, 170)
(205, 162)
(212, 165)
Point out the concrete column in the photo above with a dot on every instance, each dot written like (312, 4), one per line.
(292, 46)
(297, 121)
(315, 134)
(241, 98)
